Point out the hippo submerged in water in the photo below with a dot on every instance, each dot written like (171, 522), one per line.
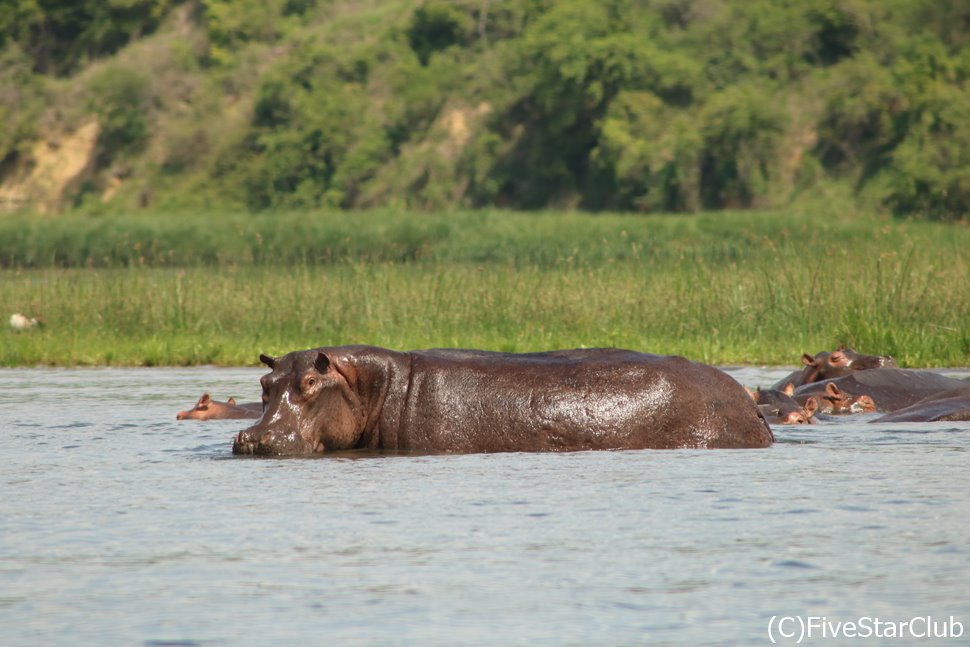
(208, 409)
(945, 406)
(779, 407)
(363, 397)
(888, 389)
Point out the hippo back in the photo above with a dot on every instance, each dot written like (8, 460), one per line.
(951, 405)
(890, 388)
(573, 399)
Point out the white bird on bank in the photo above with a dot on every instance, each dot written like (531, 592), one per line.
(22, 322)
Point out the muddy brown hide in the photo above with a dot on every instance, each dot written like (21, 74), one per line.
(362, 397)
(951, 405)
(890, 388)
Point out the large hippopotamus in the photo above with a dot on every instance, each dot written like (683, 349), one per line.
(363, 397)
(837, 363)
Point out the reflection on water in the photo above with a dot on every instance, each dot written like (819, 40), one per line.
(122, 526)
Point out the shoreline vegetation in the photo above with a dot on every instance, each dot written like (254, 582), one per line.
(723, 288)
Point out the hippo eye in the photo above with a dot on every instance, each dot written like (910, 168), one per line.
(311, 382)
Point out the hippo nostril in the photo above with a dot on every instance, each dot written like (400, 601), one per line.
(243, 444)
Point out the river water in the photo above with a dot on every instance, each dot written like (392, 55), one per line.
(121, 526)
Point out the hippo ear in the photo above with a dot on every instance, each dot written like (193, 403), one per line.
(204, 400)
(266, 359)
(789, 389)
(322, 362)
(808, 360)
(833, 390)
(231, 401)
(811, 406)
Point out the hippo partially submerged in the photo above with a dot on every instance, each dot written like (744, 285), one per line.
(779, 407)
(946, 406)
(826, 365)
(889, 389)
(208, 409)
(362, 397)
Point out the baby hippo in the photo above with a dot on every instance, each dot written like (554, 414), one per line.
(779, 407)
(833, 400)
(208, 409)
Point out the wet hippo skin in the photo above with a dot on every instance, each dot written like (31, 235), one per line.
(827, 365)
(950, 405)
(363, 397)
(889, 388)
(779, 407)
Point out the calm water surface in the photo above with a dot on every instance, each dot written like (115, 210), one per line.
(121, 526)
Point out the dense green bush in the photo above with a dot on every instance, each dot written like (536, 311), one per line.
(21, 100)
(742, 128)
(438, 25)
(120, 97)
(929, 170)
(60, 35)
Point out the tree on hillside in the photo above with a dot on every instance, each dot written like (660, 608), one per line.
(60, 35)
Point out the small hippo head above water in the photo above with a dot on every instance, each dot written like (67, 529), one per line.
(208, 409)
(310, 407)
(827, 365)
(779, 407)
(836, 401)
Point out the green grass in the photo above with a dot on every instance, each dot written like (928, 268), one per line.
(749, 288)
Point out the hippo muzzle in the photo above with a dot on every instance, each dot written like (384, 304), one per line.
(268, 442)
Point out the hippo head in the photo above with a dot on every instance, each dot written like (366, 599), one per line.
(824, 365)
(835, 400)
(858, 362)
(837, 363)
(310, 406)
(778, 406)
(202, 409)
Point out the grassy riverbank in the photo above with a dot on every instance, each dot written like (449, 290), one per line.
(722, 288)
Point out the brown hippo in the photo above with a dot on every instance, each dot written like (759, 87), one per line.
(827, 365)
(779, 407)
(363, 397)
(889, 388)
(832, 400)
(950, 405)
(208, 409)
